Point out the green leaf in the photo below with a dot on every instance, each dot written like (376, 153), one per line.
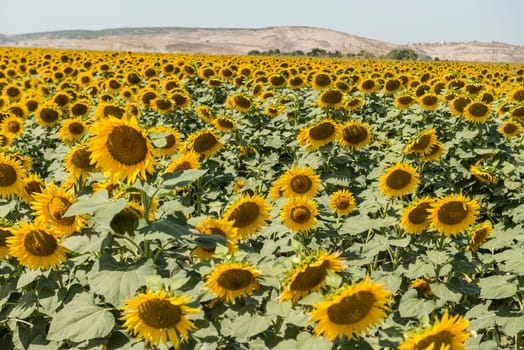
(6, 208)
(182, 178)
(125, 279)
(306, 341)
(496, 287)
(249, 325)
(511, 325)
(413, 306)
(89, 205)
(25, 306)
(81, 320)
(27, 277)
(437, 257)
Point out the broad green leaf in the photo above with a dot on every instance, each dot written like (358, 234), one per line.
(511, 325)
(89, 205)
(286, 345)
(28, 277)
(306, 341)
(25, 306)
(276, 308)
(125, 279)
(497, 287)
(249, 325)
(412, 306)
(182, 178)
(81, 320)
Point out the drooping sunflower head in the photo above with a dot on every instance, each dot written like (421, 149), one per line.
(434, 152)
(31, 184)
(354, 103)
(477, 112)
(479, 235)
(223, 123)
(220, 227)
(318, 135)
(155, 317)
(125, 221)
(11, 176)
(342, 202)
(481, 174)
(510, 129)
(205, 113)
(351, 310)
(354, 135)
(273, 110)
(415, 218)
(168, 140)
(446, 333)
(517, 112)
(331, 98)
(399, 180)
(37, 246)
(121, 149)
(72, 130)
(299, 182)
(309, 275)
(204, 142)
(423, 287)
(299, 214)
(248, 214)
(422, 143)
(453, 214)
(50, 207)
(230, 281)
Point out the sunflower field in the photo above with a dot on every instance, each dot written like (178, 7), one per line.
(234, 202)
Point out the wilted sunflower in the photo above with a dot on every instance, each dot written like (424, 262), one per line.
(239, 102)
(510, 129)
(273, 110)
(204, 142)
(423, 287)
(331, 98)
(299, 182)
(221, 227)
(248, 214)
(78, 162)
(13, 125)
(354, 135)
(223, 123)
(299, 214)
(446, 333)
(230, 281)
(31, 184)
(354, 103)
(121, 149)
(434, 153)
(51, 204)
(422, 143)
(477, 112)
(36, 246)
(170, 141)
(479, 235)
(309, 275)
(415, 218)
(399, 180)
(48, 114)
(351, 310)
(205, 113)
(486, 177)
(342, 202)
(429, 101)
(156, 317)
(6, 232)
(318, 135)
(11, 176)
(72, 130)
(453, 214)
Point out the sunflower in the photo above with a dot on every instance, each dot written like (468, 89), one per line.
(517, 113)
(230, 281)
(48, 114)
(309, 275)
(273, 111)
(221, 227)
(107, 110)
(446, 333)
(354, 103)
(434, 153)
(11, 175)
(479, 235)
(171, 141)
(239, 102)
(429, 101)
(458, 104)
(296, 82)
(80, 108)
(415, 218)
(423, 287)
(248, 214)
(6, 232)
(223, 123)
(31, 184)
(186, 161)
(72, 130)
(125, 221)
(331, 98)
(121, 149)
(78, 162)
(12, 91)
(156, 317)
(422, 143)
(368, 86)
(205, 113)
(453, 214)
(342, 202)
(299, 182)
(13, 125)
(351, 310)
(318, 135)
(399, 180)
(510, 129)
(321, 81)
(477, 112)
(392, 85)
(299, 214)
(354, 135)
(276, 80)
(36, 246)
(51, 204)
(482, 175)
(204, 142)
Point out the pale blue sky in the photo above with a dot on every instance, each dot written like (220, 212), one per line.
(397, 21)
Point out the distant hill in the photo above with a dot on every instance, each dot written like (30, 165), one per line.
(242, 41)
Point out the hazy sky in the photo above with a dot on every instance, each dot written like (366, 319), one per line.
(397, 21)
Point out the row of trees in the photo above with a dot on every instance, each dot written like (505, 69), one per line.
(395, 54)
